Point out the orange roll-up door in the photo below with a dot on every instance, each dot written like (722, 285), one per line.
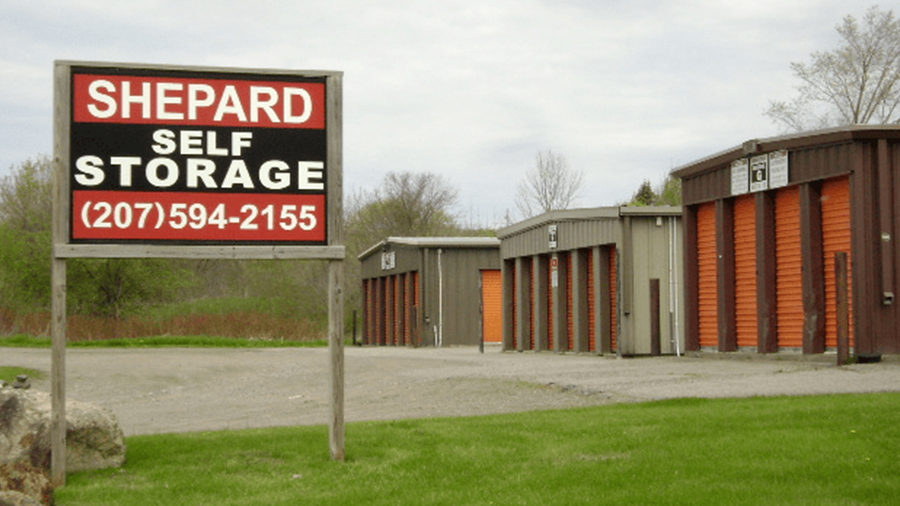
(789, 265)
(398, 339)
(492, 305)
(592, 317)
(367, 301)
(746, 320)
(707, 272)
(407, 308)
(835, 197)
(613, 300)
(389, 316)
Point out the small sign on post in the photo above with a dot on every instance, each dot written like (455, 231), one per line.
(759, 173)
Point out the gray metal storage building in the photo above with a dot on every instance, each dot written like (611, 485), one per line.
(763, 222)
(430, 291)
(594, 280)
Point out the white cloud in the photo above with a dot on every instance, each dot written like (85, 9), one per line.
(471, 89)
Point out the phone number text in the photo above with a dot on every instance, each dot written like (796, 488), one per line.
(197, 216)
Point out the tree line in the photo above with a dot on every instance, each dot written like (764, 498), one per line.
(405, 204)
(855, 83)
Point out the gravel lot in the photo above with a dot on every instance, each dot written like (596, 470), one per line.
(181, 390)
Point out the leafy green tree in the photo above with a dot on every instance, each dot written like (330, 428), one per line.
(103, 286)
(665, 193)
(668, 193)
(644, 196)
(25, 243)
(856, 83)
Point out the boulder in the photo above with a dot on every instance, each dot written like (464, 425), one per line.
(94, 440)
(10, 498)
(21, 484)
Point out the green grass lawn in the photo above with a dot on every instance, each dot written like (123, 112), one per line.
(9, 373)
(823, 450)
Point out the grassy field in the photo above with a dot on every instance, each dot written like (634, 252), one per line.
(9, 373)
(26, 341)
(258, 319)
(824, 450)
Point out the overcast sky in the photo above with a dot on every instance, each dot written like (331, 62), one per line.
(626, 90)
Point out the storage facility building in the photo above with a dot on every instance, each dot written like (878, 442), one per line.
(596, 280)
(763, 222)
(431, 291)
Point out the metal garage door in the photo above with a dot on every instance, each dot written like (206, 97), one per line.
(788, 261)
(708, 275)
(492, 306)
(835, 198)
(745, 270)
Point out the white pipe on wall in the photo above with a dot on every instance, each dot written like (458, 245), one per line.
(440, 325)
(673, 282)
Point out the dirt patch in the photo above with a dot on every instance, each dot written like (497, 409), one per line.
(181, 390)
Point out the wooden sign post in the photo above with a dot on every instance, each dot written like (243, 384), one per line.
(197, 163)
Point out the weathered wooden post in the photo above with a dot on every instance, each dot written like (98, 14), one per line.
(336, 352)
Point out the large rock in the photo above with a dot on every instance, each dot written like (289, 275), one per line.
(21, 484)
(10, 498)
(94, 440)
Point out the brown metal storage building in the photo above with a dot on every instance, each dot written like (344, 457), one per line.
(762, 224)
(430, 291)
(596, 280)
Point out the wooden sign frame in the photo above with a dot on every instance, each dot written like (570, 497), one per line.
(262, 85)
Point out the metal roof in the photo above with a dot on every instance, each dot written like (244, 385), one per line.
(434, 242)
(789, 141)
(594, 213)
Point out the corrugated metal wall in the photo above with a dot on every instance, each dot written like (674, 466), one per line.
(515, 307)
(842, 195)
(603, 295)
(570, 299)
(390, 294)
(614, 296)
(572, 235)
(551, 341)
(592, 296)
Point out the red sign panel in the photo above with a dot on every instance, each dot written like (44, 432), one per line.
(197, 157)
(195, 101)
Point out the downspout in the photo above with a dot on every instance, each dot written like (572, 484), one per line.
(440, 332)
(673, 284)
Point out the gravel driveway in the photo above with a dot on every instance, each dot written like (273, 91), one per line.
(181, 390)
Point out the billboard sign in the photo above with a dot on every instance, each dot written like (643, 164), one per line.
(197, 156)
